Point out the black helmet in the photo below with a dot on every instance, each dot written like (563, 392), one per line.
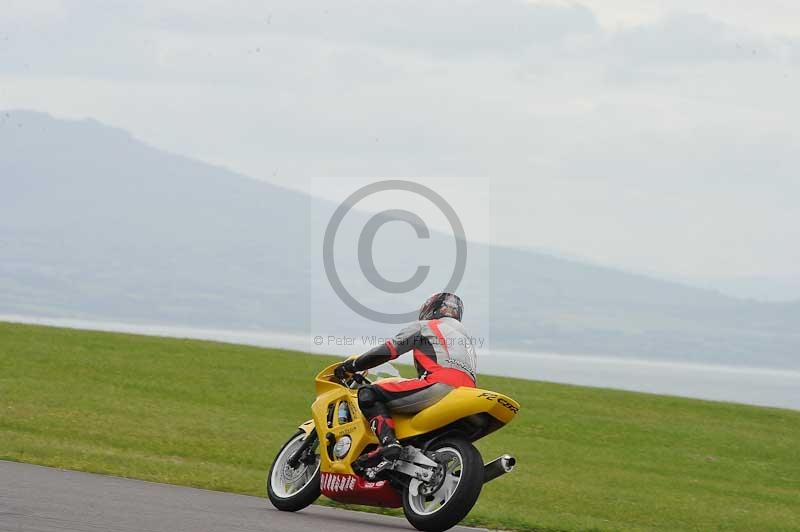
(441, 305)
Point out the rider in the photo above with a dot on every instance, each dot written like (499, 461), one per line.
(443, 355)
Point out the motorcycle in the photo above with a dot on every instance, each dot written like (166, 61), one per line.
(437, 478)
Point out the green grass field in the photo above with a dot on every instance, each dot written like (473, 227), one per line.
(213, 415)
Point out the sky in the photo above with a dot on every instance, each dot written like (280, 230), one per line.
(657, 137)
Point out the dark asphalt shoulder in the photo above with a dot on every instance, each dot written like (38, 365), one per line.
(44, 499)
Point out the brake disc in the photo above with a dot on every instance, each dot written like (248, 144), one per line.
(433, 485)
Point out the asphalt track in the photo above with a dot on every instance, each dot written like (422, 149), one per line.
(44, 499)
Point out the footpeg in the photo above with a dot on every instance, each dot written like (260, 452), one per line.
(372, 473)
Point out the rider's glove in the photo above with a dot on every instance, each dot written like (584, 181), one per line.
(345, 369)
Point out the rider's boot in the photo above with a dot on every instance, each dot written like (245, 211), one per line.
(383, 427)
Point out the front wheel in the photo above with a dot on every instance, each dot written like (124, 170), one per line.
(292, 489)
(444, 502)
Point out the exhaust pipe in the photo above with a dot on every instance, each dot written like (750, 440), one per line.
(498, 467)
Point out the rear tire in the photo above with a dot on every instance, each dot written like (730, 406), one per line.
(291, 496)
(453, 500)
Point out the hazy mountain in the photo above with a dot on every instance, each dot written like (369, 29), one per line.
(96, 224)
(759, 288)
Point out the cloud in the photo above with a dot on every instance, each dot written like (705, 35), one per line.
(245, 42)
(114, 40)
(603, 141)
(687, 38)
(456, 28)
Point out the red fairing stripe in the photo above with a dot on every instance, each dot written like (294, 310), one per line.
(392, 349)
(355, 490)
(336, 483)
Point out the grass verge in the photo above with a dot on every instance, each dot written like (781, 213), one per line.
(213, 415)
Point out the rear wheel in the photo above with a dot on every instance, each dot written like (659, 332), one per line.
(444, 502)
(293, 488)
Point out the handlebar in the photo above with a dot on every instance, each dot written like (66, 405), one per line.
(355, 378)
(360, 379)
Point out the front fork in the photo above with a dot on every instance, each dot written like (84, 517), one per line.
(305, 451)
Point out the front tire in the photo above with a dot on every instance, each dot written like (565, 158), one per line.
(291, 489)
(454, 496)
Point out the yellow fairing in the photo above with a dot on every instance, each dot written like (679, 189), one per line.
(458, 404)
